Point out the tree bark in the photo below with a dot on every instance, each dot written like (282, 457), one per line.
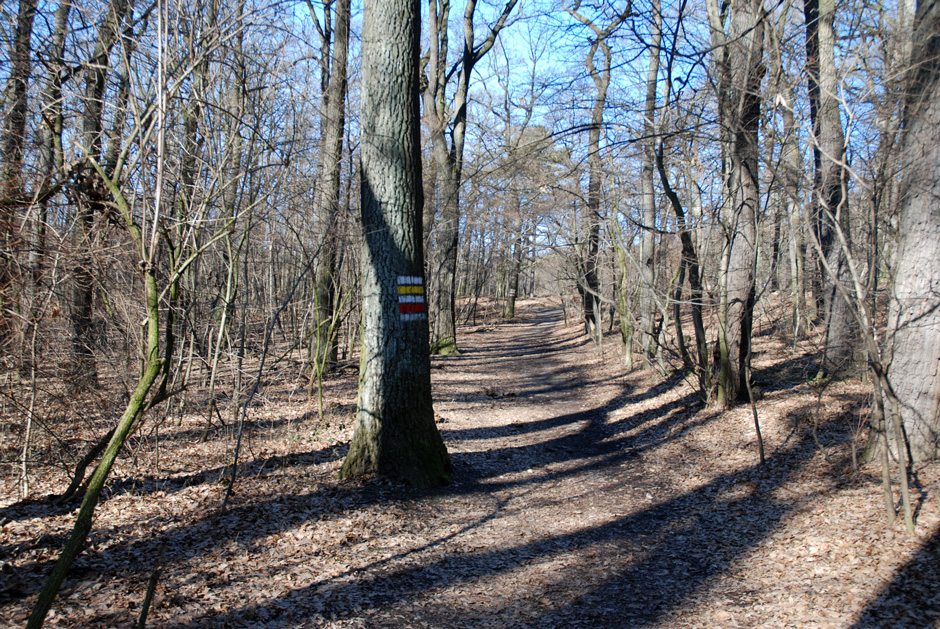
(12, 141)
(648, 241)
(326, 196)
(914, 312)
(395, 434)
(830, 180)
(745, 71)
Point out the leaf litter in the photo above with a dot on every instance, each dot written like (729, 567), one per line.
(583, 496)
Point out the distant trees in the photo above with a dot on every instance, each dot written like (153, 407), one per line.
(188, 170)
(602, 27)
(449, 117)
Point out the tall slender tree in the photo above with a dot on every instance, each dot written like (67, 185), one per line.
(588, 283)
(334, 49)
(830, 198)
(648, 200)
(445, 116)
(12, 141)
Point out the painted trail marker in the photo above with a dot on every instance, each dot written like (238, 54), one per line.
(411, 306)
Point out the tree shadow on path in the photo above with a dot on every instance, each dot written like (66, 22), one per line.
(638, 568)
(651, 562)
(912, 599)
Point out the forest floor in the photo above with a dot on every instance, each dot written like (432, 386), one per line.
(583, 496)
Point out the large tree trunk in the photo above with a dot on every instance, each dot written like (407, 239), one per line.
(914, 313)
(830, 180)
(395, 434)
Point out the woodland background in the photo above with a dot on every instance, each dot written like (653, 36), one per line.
(180, 210)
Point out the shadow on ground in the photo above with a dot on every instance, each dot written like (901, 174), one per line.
(647, 565)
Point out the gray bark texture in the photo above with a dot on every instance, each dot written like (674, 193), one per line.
(746, 71)
(829, 191)
(326, 197)
(395, 434)
(648, 242)
(914, 312)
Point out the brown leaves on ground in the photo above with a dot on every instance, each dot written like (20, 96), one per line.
(583, 497)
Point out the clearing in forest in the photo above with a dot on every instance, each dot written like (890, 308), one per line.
(583, 496)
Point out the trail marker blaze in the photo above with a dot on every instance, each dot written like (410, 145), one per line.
(411, 305)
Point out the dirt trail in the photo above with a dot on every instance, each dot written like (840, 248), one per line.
(583, 497)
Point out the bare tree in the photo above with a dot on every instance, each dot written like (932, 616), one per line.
(88, 194)
(334, 49)
(588, 284)
(647, 300)
(395, 433)
(830, 198)
(739, 69)
(12, 140)
(444, 116)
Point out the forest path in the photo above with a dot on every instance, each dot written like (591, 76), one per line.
(583, 496)
(561, 495)
(588, 497)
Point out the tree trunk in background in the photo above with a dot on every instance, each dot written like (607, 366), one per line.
(689, 261)
(51, 157)
(12, 141)
(448, 159)
(830, 180)
(648, 195)
(790, 172)
(588, 284)
(89, 197)
(745, 72)
(515, 256)
(914, 313)
(326, 196)
(395, 433)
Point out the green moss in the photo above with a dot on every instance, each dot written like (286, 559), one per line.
(445, 347)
